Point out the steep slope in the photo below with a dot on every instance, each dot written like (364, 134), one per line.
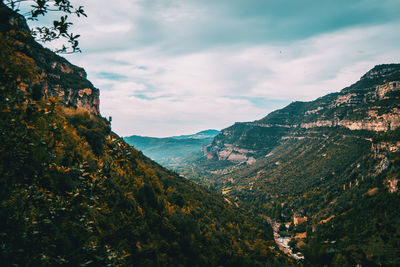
(334, 160)
(74, 193)
(370, 104)
(170, 151)
(56, 76)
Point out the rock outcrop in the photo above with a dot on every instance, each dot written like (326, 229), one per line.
(371, 104)
(58, 77)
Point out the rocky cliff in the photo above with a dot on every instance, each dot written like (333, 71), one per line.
(372, 104)
(334, 160)
(58, 78)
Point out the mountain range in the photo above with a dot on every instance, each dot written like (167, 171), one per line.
(323, 174)
(169, 151)
(334, 161)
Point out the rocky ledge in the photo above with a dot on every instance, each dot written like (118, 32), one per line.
(58, 77)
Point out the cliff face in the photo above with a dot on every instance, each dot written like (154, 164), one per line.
(58, 78)
(69, 84)
(371, 104)
(335, 160)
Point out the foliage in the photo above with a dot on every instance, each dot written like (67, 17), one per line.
(366, 232)
(60, 26)
(345, 181)
(331, 177)
(73, 193)
(94, 130)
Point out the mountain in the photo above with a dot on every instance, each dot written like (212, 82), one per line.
(73, 193)
(56, 76)
(334, 161)
(200, 135)
(170, 151)
(370, 104)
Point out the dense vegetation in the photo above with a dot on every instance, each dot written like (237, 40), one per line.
(344, 181)
(74, 193)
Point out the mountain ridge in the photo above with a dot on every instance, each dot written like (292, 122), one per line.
(333, 162)
(371, 95)
(170, 150)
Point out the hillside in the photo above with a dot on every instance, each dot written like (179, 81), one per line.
(74, 193)
(370, 104)
(334, 160)
(170, 151)
(56, 76)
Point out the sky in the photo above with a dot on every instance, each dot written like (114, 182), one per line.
(171, 67)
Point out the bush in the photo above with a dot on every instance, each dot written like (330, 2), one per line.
(94, 129)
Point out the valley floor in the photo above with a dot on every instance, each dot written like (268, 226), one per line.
(283, 242)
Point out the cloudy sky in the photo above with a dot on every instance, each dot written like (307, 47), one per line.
(169, 67)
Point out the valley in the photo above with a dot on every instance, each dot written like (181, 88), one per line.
(74, 193)
(332, 160)
(315, 183)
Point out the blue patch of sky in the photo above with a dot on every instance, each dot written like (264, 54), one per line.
(254, 21)
(118, 62)
(145, 97)
(263, 102)
(112, 76)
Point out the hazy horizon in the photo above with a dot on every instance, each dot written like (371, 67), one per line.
(178, 67)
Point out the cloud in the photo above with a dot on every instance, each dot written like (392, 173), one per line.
(187, 26)
(173, 67)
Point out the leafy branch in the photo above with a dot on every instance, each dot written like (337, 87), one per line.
(60, 27)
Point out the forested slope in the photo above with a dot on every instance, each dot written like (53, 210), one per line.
(333, 161)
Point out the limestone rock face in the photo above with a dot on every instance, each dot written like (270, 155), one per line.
(58, 77)
(69, 84)
(371, 104)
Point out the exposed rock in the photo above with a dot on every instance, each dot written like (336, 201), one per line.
(236, 157)
(382, 166)
(382, 148)
(250, 160)
(58, 77)
(344, 99)
(383, 90)
(308, 112)
(371, 104)
(373, 191)
(380, 71)
(324, 123)
(299, 220)
(393, 185)
(68, 83)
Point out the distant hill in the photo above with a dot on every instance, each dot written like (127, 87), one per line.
(334, 160)
(170, 151)
(200, 135)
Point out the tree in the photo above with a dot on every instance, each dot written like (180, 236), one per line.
(282, 227)
(59, 28)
